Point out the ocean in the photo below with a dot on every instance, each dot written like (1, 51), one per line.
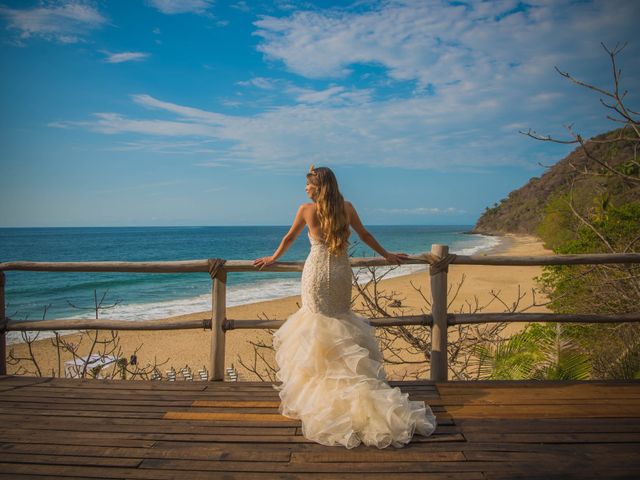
(142, 296)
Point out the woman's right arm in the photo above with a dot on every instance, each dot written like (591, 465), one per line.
(369, 239)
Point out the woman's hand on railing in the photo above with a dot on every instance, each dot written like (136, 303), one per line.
(263, 262)
(396, 258)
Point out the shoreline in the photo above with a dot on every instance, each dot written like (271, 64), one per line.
(412, 269)
(192, 347)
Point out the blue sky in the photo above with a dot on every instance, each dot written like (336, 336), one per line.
(194, 112)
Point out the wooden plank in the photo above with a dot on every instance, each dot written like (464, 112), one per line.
(17, 476)
(389, 455)
(76, 451)
(338, 468)
(622, 424)
(227, 452)
(57, 382)
(82, 431)
(20, 380)
(69, 411)
(223, 439)
(238, 416)
(236, 403)
(164, 449)
(593, 473)
(69, 438)
(554, 437)
(66, 460)
(540, 393)
(563, 384)
(548, 411)
(169, 474)
(133, 426)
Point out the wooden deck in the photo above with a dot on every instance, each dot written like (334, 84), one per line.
(66, 428)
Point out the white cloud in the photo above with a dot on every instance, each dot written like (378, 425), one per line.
(401, 133)
(439, 43)
(112, 123)
(259, 82)
(125, 57)
(171, 7)
(61, 21)
(313, 96)
(449, 88)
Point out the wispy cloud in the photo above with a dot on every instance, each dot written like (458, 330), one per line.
(393, 133)
(64, 21)
(125, 57)
(457, 96)
(258, 82)
(420, 211)
(172, 7)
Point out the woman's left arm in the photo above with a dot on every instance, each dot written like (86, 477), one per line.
(298, 224)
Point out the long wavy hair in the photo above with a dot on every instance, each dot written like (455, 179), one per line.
(330, 208)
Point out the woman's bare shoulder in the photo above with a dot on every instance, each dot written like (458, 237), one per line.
(349, 207)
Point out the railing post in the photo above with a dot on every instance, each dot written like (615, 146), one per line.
(3, 334)
(218, 316)
(439, 342)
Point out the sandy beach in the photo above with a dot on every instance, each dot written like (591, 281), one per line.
(192, 347)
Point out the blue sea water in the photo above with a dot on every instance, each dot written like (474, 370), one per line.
(142, 296)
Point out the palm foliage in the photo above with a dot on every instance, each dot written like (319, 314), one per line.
(539, 352)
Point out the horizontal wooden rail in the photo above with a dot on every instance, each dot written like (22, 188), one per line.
(186, 266)
(252, 324)
(438, 320)
(104, 324)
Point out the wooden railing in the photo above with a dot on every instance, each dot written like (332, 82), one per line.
(438, 320)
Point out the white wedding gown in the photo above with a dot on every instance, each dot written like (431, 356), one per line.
(330, 366)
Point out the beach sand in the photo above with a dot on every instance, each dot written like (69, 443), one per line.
(192, 347)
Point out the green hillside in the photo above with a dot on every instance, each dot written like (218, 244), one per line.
(524, 209)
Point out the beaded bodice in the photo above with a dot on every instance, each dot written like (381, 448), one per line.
(326, 280)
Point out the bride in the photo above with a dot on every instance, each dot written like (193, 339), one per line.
(329, 360)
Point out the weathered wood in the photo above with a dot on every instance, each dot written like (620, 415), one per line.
(235, 324)
(439, 343)
(240, 416)
(467, 318)
(452, 319)
(219, 314)
(201, 265)
(68, 461)
(111, 324)
(237, 403)
(232, 473)
(573, 433)
(425, 319)
(3, 326)
(558, 259)
(219, 324)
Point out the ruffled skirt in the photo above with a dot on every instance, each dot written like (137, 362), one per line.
(333, 380)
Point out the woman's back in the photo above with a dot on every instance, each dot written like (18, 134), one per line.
(313, 220)
(326, 280)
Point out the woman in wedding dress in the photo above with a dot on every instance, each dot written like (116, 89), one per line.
(329, 359)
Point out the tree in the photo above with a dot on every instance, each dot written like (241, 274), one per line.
(599, 212)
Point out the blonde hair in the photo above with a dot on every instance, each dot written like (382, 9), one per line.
(330, 208)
